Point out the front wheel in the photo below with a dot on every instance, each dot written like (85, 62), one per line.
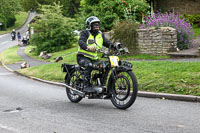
(75, 82)
(124, 89)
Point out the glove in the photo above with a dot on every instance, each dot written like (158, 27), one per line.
(91, 48)
(113, 47)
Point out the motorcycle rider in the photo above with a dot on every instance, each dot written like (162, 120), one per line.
(87, 54)
(13, 34)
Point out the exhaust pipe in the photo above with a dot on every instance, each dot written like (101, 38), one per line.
(75, 91)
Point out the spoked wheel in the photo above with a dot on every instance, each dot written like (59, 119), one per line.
(75, 82)
(124, 90)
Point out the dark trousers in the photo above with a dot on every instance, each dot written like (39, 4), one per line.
(87, 64)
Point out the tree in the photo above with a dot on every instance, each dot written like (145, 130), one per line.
(8, 9)
(109, 12)
(54, 32)
(29, 4)
(69, 7)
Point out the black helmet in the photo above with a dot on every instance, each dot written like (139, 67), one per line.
(91, 20)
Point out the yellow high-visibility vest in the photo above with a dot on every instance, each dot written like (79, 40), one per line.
(92, 55)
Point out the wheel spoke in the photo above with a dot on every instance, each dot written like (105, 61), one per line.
(76, 83)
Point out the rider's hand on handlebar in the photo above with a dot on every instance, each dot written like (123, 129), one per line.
(91, 48)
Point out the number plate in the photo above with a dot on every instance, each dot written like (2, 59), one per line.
(114, 61)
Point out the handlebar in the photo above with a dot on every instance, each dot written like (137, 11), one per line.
(117, 50)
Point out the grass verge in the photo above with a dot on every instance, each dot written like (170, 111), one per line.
(155, 76)
(9, 56)
(72, 51)
(68, 55)
(196, 30)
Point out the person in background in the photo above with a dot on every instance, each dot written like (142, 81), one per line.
(24, 39)
(13, 35)
(19, 38)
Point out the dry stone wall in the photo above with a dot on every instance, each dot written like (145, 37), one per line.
(158, 41)
(154, 41)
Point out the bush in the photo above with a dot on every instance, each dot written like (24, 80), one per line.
(192, 19)
(7, 21)
(3, 21)
(185, 32)
(11, 20)
(54, 32)
(109, 12)
(125, 32)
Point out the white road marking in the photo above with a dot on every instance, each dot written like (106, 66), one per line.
(4, 74)
(4, 42)
(9, 128)
(3, 35)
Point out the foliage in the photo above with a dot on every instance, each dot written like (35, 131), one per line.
(8, 9)
(125, 32)
(69, 7)
(3, 20)
(20, 20)
(109, 12)
(192, 19)
(185, 32)
(29, 4)
(54, 32)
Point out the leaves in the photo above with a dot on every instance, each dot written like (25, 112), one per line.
(111, 11)
(54, 31)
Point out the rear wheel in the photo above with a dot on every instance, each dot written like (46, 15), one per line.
(124, 90)
(75, 82)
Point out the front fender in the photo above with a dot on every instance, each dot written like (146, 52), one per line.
(118, 69)
(123, 68)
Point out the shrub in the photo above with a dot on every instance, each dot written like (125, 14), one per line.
(109, 12)
(3, 21)
(54, 32)
(184, 29)
(10, 20)
(7, 21)
(192, 19)
(125, 32)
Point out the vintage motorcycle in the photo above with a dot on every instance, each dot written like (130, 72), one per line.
(112, 79)
(13, 36)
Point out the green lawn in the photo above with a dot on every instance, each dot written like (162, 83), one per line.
(68, 55)
(196, 30)
(20, 19)
(154, 76)
(9, 56)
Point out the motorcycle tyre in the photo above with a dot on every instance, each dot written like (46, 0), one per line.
(67, 81)
(133, 95)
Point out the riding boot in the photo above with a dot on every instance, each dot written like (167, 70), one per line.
(87, 87)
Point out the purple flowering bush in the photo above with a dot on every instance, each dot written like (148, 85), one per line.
(184, 29)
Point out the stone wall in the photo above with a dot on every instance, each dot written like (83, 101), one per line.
(181, 6)
(154, 41)
(158, 41)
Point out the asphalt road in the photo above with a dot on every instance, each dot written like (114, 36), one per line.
(28, 106)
